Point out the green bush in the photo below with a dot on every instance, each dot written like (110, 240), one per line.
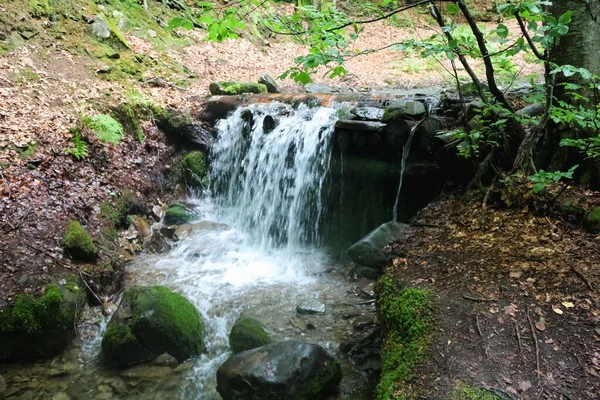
(106, 128)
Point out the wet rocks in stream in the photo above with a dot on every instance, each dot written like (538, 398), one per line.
(369, 251)
(311, 307)
(149, 322)
(247, 334)
(284, 370)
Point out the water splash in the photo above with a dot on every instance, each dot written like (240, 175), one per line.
(405, 151)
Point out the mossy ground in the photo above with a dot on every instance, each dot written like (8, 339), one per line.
(78, 243)
(464, 392)
(195, 167)
(178, 213)
(406, 315)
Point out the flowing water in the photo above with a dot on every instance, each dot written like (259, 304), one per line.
(405, 151)
(261, 258)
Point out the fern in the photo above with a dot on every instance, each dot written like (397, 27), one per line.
(106, 128)
(79, 149)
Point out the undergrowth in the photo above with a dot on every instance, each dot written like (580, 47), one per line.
(407, 317)
(78, 148)
(106, 128)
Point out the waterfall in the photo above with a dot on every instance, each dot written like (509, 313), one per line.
(405, 151)
(269, 166)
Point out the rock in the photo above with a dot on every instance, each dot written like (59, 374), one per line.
(570, 206)
(396, 133)
(141, 226)
(236, 88)
(151, 33)
(181, 130)
(368, 113)
(311, 307)
(99, 28)
(366, 272)
(41, 327)
(178, 213)
(401, 109)
(531, 110)
(354, 125)
(147, 373)
(158, 244)
(151, 321)
(284, 371)
(473, 109)
(269, 124)
(368, 251)
(362, 322)
(368, 291)
(2, 386)
(425, 130)
(195, 168)
(270, 83)
(185, 230)
(247, 334)
(79, 244)
(61, 396)
(591, 219)
(318, 88)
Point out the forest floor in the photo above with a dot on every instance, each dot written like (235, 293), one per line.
(518, 306)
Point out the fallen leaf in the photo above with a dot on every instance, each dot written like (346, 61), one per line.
(557, 310)
(568, 304)
(540, 326)
(549, 341)
(515, 274)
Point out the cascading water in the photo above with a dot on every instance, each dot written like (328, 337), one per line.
(405, 151)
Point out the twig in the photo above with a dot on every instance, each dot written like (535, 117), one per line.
(89, 288)
(479, 299)
(519, 338)
(535, 342)
(162, 82)
(61, 262)
(485, 349)
(583, 278)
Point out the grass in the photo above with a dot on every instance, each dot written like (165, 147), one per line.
(407, 317)
(24, 74)
(464, 392)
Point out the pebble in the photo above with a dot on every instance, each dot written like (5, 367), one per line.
(311, 307)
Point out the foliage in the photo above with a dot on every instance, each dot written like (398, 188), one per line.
(116, 212)
(78, 148)
(106, 128)
(464, 392)
(542, 178)
(406, 314)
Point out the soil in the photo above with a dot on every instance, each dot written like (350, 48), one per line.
(518, 302)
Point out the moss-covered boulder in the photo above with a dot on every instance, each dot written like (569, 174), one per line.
(151, 321)
(284, 371)
(195, 167)
(79, 244)
(247, 334)
(235, 88)
(41, 326)
(591, 219)
(178, 213)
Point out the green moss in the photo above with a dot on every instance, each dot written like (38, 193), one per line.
(24, 74)
(178, 214)
(245, 87)
(40, 326)
(25, 153)
(39, 8)
(392, 114)
(464, 392)
(322, 383)
(195, 167)
(158, 320)
(78, 243)
(246, 334)
(406, 315)
(116, 212)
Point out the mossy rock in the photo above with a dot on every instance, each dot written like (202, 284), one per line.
(79, 244)
(247, 334)
(235, 88)
(591, 220)
(116, 211)
(151, 321)
(570, 207)
(39, 327)
(195, 167)
(177, 214)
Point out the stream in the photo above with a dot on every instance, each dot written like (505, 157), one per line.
(256, 250)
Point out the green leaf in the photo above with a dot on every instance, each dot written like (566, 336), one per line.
(452, 9)
(565, 19)
(502, 31)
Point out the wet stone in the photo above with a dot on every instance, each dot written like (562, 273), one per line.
(61, 396)
(311, 307)
(368, 291)
(147, 372)
(361, 323)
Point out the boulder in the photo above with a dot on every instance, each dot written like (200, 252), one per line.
(79, 244)
(319, 88)
(270, 83)
(368, 113)
(247, 334)
(591, 219)
(195, 168)
(400, 109)
(99, 28)
(284, 371)
(368, 251)
(178, 213)
(151, 321)
(355, 125)
(41, 327)
(181, 130)
(311, 307)
(235, 88)
(141, 226)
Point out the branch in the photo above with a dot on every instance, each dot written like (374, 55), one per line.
(534, 48)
